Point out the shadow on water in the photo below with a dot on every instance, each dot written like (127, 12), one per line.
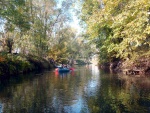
(84, 90)
(8, 81)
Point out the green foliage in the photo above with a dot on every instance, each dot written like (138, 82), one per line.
(61, 49)
(13, 64)
(80, 62)
(38, 63)
(40, 28)
(16, 14)
(120, 29)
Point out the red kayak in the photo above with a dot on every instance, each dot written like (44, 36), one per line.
(71, 68)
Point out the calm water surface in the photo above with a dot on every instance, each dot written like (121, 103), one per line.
(86, 90)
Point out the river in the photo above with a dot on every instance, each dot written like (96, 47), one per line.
(84, 90)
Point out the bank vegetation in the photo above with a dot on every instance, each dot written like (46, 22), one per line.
(120, 29)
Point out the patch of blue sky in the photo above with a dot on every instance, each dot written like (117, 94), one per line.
(75, 20)
(2, 23)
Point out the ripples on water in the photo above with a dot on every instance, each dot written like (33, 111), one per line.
(85, 90)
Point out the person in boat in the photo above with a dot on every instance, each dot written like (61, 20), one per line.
(65, 66)
(68, 66)
(62, 65)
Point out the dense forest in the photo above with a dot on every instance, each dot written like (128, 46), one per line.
(36, 29)
(120, 29)
(39, 27)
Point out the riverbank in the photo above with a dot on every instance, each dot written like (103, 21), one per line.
(140, 66)
(14, 64)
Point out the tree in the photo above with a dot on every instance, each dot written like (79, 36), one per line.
(116, 29)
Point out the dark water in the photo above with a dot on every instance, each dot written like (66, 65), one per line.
(86, 90)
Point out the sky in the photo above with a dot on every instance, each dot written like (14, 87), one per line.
(75, 20)
(1, 25)
(75, 23)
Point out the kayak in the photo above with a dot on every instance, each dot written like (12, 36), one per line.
(60, 69)
(71, 68)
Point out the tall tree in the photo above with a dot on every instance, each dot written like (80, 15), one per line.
(120, 29)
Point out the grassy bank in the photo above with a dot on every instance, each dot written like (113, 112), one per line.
(12, 64)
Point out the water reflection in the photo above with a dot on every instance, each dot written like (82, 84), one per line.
(85, 90)
(93, 84)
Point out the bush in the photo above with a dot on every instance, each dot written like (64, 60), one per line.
(80, 62)
(11, 64)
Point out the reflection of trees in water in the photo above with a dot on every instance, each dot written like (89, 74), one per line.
(29, 97)
(73, 93)
(67, 90)
(141, 84)
(131, 91)
(84, 92)
(119, 95)
(47, 92)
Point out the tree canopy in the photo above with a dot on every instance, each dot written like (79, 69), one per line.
(120, 29)
(39, 27)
